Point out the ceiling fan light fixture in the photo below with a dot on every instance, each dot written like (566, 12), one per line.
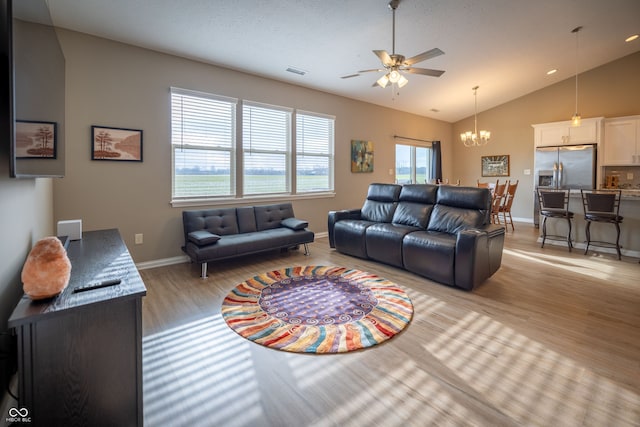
(402, 81)
(394, 76)
(383, 81)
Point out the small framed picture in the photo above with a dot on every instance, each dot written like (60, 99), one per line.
(495, 165)
(36, 140)
(117, 144)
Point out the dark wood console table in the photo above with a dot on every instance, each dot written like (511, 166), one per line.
(80, 353)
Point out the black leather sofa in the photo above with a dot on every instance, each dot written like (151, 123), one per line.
(442, 232)
(215, 234)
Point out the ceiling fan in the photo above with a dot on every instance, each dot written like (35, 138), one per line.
(395, 63)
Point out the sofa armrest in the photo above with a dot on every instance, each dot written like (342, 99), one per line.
(478, 255)
(335, 216)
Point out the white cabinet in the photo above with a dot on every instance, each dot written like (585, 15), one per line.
(562, 133)
(622, 141)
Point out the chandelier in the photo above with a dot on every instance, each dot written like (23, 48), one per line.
(475, 139)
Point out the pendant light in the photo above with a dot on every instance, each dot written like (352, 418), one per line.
(475, 139)
(576, 119)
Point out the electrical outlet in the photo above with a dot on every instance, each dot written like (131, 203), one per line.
(629, 176)
(139, 239)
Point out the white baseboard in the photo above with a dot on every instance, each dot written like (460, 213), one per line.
(162, 262)
(184, 258)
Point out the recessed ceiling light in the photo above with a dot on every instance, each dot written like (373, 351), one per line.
(296, 71)
(631, 38)
(552, 72)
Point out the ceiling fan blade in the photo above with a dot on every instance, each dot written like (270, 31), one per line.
(384, 57)
(424, 71)
(423, 56)
(360, 72)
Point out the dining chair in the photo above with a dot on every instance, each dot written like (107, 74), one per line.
(505, 209)
(497, 199)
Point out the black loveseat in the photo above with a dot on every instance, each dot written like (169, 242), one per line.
(215, 234)
(443, 232)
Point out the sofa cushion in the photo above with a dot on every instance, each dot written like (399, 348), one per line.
(350, 237)
(430, 254)
(375, 211)
(384, 242)
(412, 214)
(294, 223)
(449, 219)
(419, 193)
(203, 237)
(384, 192)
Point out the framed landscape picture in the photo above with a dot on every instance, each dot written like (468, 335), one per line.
(118, 144)
(495, 165)
(36, 140)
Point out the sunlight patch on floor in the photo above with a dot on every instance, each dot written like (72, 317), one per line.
(585, 266)
(411, 397)
(520, 376)
(210, 361)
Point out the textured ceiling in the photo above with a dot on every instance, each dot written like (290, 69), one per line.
(503, 46)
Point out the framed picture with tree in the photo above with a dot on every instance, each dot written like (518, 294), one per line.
(36, 140)
(119, 144)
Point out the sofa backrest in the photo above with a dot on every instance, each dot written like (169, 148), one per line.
(216, 221)
(415, 204)
(270, 216)
(458, 208)
(244, 219)
(381, 202)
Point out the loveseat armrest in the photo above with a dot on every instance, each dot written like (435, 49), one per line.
(335, 216)
(478, 255)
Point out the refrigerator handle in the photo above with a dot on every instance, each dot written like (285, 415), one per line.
(555, 175)
(560, 168)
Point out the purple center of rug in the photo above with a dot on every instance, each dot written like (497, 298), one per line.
(317, 300)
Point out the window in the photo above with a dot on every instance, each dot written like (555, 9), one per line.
(413, 164)
(203, 145)
(272, 155)
(314, 152)
(266, 142)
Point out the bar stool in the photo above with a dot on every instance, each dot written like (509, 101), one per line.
(555, 204)
(602, 206)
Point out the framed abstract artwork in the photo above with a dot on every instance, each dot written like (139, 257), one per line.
(361, 156)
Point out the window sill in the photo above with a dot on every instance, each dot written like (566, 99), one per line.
(183, 203)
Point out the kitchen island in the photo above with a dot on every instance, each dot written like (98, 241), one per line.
(629, 228)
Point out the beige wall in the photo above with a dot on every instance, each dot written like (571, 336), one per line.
(26, 212)
(611, 90)
(113, 84)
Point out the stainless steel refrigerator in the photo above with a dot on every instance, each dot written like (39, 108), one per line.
(564, 167)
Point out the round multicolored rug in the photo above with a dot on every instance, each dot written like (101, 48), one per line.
(317, 309)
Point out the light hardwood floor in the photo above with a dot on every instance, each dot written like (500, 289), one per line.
(552, 339)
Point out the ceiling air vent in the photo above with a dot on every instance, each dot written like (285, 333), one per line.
(296, 71)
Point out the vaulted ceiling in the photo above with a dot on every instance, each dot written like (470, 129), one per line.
(505, 47)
